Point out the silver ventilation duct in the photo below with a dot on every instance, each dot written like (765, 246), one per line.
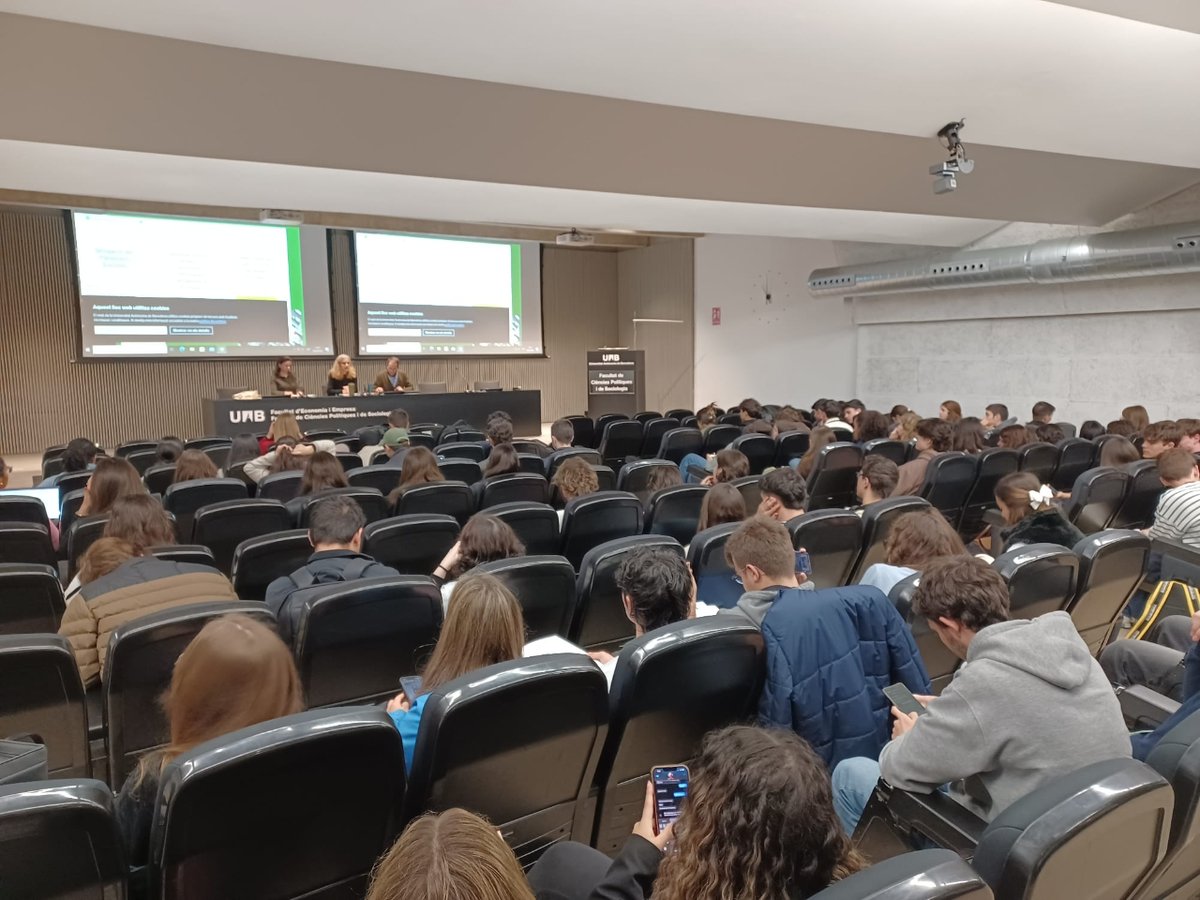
(1162, 250)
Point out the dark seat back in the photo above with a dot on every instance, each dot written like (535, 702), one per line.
(23, 509)
(759, 450)
(159, 477)
(519, 487)
(458, 469)
(530, 776)
(833, 539)
(597, 518)
(896, 451)
(791, 445)
(600, 619)
(652, 434)
(194, 554)
(675, 511)
(877, 521)
(1096, 832)
(949, 478)
(602, 422)
(646, 415)
(24, 542)
(412, 545)
(141, 459)
(671, 687)
(1096, 497)
(258, 561)
(531, 463)
(459, 435)
(536, 524)
(83, 533)
(1111, 565)
(1141, 500)
(372, 503)
(222, 526)
(558, 457)
(68, 510)
(940, 663)
(635, 476)
(471, 450)
(1041, 459)
(354, 640)
(1074, 458)
(183, 499)
(621, 439)
(31, 599)
(545, 587)
(834, 476)
(58, 840)
(382, 478)
(41, 694)
(714, 578)
(920, 875)
(993, 464)
(237, 814)
(678, 443)
(141, 659)
(282, 486)
(73, 481)
(718, 437)
(585, 431)
(751, 493)
(1041, 578)
(1176, 757)
(605, 477)
(448, 498)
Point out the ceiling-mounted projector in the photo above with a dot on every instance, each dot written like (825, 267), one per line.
(280, 217)
(575, 238)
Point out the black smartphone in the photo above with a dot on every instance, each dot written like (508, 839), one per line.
(411, 685)
(670, 790)
(902, 698)
(803, 563)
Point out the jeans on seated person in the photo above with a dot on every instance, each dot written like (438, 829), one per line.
(853, 781)
(689, 460)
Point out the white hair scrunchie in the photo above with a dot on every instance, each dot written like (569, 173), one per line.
(1041, 498)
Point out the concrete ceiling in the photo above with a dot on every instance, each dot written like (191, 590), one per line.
(1182, 15)
(722, 118)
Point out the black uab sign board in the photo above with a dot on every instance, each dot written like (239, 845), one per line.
(616, 382)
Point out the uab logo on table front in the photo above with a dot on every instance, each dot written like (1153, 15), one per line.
(247, 415)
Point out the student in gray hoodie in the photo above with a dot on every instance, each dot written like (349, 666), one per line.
(760, 553)
(1029, 705)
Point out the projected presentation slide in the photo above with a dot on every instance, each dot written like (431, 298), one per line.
(421, 295)
(175, 287)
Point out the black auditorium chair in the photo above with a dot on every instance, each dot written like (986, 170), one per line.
(833, 539)
(653, 431)
(690, 422)
(600, 619)
(141, 660)
(1041, 459)
(222, 526)
(730, 418)
(218, 454)
(1096, 498)
(31, 599)
(1074, 458)
(993, 464)
(426, 429)
(58, 839)
(678, 413)
(646, 415)
(620, 440)
(194, 554)
(675, 511)
(23, 509)
(420, 439)
(24, 542)
(68, 510)
(238, 471)
(715, 582)
(751, 493)
(595, 518)
(635, 476)
(545, 588)
(1068, 429)
(585, 431)
(51, 454)
(350, 462)
(159, 477)
(1111, 565)
(758, 448)
(458, 469)
(670, 688)
(896, 451)
(536, 524)
(1098, 446)
(558, 457)
(532, 464)
(183, 499)
(530, 448)
(354, 640)
(82, 534)
(41, 694)
(516, 742)
(142, 460)
(877, 521)
(450, 498)
(1176, 758)
(1041, 578)
(75, 481)
(678, 443)
(237, 815)
(459, 435)
(124, 449)
(472, 450)
(718, 437)
(834, 476)
(412, 544)
(258, 561)
(918, 875)
(1141, 500)
(603, 422)
(605, 477)
(203, 443)
(371, 501)
(382, 478)
(282, 486)
(519, 487)
(949, 478)
(940, 663)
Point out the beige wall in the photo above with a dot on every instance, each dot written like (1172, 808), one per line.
(48, 399)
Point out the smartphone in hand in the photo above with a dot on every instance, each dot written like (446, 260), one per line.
(411, 685)
(902, 698)
(803, 563)
(670, 790)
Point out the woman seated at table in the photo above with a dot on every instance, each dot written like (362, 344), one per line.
(284, 381)
(343, 377)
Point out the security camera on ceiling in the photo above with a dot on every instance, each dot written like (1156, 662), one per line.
(575, 238)
(945, 174)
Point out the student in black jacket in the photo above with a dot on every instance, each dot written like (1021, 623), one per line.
(1028, 507)
(759, 822)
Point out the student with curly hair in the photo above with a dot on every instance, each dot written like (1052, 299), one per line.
(758, 823)
(574, 478)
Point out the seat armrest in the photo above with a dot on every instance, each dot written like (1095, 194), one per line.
(1144, 708)
(918, 819)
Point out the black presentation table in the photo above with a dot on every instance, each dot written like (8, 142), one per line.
(229, 418)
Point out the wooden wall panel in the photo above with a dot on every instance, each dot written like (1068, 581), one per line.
(47, 398)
